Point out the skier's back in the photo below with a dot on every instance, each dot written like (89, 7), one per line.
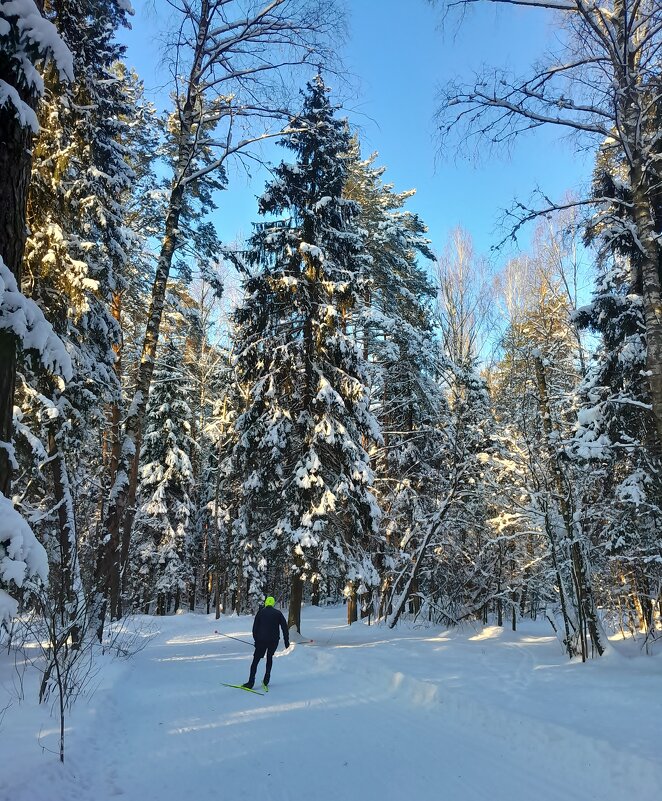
(268, 624)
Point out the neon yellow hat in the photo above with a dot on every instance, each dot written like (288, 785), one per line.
(270, 601)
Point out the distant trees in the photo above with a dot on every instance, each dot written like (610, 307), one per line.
(166, 514)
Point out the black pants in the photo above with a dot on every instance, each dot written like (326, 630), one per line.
(262, 648)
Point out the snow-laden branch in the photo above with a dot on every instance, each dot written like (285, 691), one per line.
(26, 39)
(25, 320)
(21, 556)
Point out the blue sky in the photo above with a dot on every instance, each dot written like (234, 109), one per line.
(399, 56)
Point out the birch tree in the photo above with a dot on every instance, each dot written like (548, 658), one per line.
(230, 63)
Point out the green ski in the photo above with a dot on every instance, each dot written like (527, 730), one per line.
(265, 687)
(241, 687)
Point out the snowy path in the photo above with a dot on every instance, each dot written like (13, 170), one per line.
(363, 713)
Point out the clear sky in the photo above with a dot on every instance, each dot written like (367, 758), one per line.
(399, 56)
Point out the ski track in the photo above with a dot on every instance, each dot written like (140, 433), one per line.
(361, 713)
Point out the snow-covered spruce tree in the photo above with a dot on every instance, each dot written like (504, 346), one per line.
(396, 338)
(75, 258)
(223, 585)
(616, 428)
(214, 410)
(301, 455)
(165, 511)
(22, 556)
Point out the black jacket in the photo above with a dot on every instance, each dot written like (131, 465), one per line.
(266, 624)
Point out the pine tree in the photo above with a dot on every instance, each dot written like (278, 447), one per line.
(301, 454)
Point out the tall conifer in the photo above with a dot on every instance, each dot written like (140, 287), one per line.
(303, 436)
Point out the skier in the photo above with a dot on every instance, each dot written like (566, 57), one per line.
(266, 636)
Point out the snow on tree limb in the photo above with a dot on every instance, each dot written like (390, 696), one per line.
(23, 318)
(27, 38)
(10, 97)
(21, 555)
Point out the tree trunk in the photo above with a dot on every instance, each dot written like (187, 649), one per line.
(121, 508)
(352, 605)
(315, 593)
(15, 167)
(632, 121)
(652, 294)
(217, 606)
(296, 599)
(69, 578)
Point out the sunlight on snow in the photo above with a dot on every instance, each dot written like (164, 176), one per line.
(488, 633)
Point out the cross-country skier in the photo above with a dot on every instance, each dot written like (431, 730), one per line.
(266, 636)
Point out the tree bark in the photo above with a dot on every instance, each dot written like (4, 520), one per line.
(66, 527)
(15, 167)
(352, 605)
(296, 599)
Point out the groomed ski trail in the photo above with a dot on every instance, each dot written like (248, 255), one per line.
(363, 713)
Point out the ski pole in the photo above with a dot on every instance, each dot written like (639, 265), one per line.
(230, 637)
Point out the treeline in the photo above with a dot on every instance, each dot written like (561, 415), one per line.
(339, 433)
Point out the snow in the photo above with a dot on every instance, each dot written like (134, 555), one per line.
(26, 321)
(23, 30)
(313, 251)
(362, 712)
(40, 32)
(26, 116)
(21, 555)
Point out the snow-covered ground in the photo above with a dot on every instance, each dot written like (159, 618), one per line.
(363, 713)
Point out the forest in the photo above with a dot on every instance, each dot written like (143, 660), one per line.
(335, 410)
